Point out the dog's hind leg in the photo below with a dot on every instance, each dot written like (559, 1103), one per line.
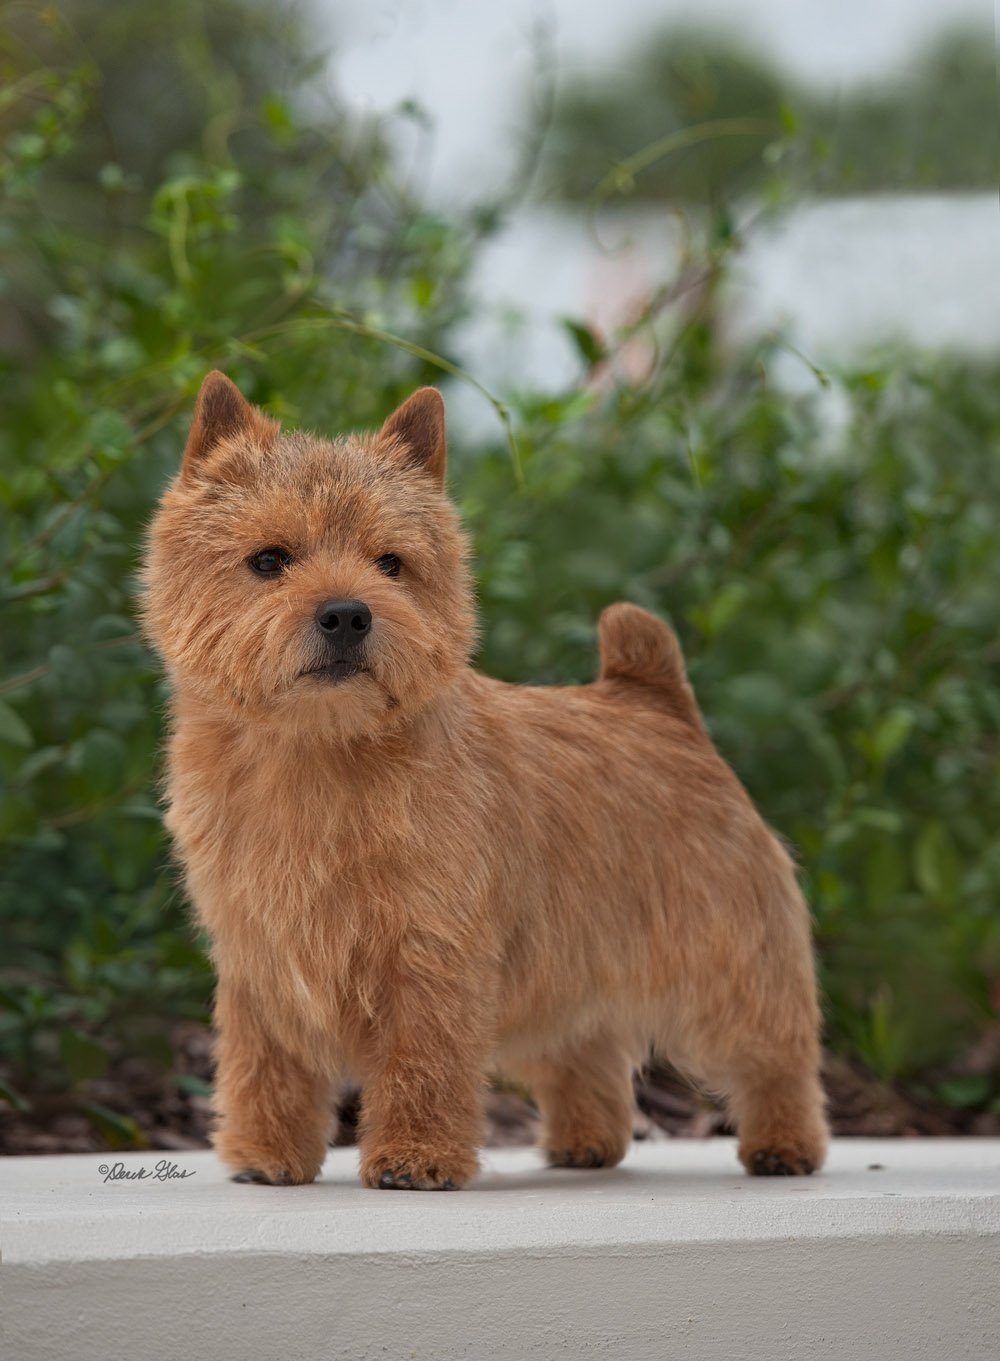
(585, 1097)
(761, 1055)
(740, 1011)
(778, 1113)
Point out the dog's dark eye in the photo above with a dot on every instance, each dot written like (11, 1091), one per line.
(389, 564)
(270, 562)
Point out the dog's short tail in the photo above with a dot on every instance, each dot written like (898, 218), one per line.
(636, 646)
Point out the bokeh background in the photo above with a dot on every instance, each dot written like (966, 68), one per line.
(712, 292)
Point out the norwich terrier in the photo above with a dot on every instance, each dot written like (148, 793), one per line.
(413, 875)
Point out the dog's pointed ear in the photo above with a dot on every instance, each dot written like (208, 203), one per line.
(220, 413)
(417, 427)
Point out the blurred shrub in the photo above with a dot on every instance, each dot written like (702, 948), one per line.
(830, 560)
(931, 126)
(831, 563)
(168, 208)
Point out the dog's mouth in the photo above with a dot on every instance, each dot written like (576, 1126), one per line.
(335, 671)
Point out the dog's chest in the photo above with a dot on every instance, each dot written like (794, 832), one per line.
(273, 833)
(294, 867)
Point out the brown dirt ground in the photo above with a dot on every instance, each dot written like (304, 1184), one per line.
(169, 1116)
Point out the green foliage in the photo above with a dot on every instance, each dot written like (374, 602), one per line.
(222, 228)
(834, 587)
(830, 560)
(701, 113)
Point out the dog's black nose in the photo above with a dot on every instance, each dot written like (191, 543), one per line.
(344, 622)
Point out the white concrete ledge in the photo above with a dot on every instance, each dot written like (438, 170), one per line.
(892, 1252)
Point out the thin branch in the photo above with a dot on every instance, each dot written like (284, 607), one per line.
(73, 816)
(348, 323)
(37, 672)
(621, 176)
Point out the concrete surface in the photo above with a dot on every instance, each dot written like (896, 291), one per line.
(893, 1252)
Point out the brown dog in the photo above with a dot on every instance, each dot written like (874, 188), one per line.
(414, 874)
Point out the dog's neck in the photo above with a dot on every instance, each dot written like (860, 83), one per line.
(394, 740)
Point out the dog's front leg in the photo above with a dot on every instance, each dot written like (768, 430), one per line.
(422, 1105)
(273, 1105)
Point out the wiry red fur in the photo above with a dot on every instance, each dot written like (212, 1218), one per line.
(420, 875)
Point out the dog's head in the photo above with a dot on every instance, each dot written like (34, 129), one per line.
(321, 583)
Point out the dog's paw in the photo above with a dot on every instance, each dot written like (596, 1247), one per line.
(275, 1176)
(773, 1162)
(585, 1155)
(394, 1179)
(444, 1173)
(253, 1162)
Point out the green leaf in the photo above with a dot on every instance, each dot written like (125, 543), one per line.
(885, 872)
(111, 177)
(888, 820)
(38, 762)
(13, 1098)
(589, 345)
(18, 817)
(78, 965)
(965, 1093)
(277, 118)
(891, 734)
(721, 609)
(194, 1086)
(100, 759)
(936, 863)
(118, 1131)
(13, 728)
(84, 1058)
(157, 1048)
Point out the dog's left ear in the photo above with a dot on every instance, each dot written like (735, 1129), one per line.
(418, 429)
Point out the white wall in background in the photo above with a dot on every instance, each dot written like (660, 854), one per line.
(837, 277)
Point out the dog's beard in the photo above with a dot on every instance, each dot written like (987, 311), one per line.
(340, 708)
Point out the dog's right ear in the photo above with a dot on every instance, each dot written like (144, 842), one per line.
(417, 429)
(220, 413)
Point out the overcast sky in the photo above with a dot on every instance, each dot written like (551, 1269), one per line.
(468, 61)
